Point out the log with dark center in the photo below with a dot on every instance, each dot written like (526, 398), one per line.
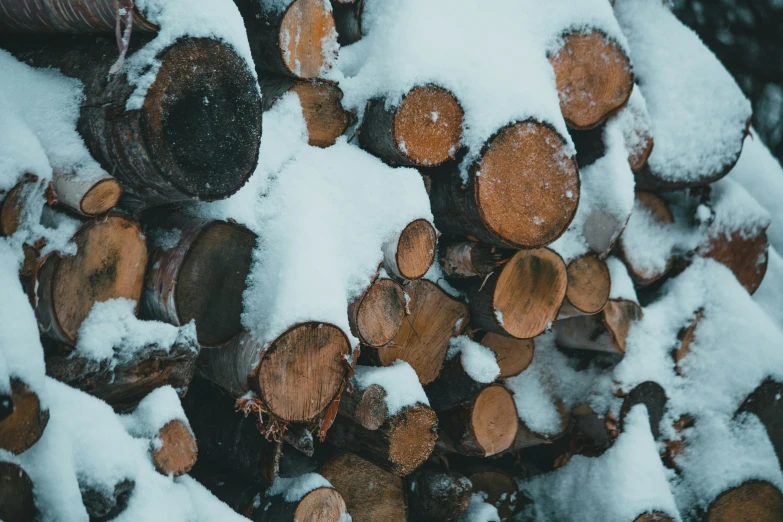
(512, 355)
(435, 495)
(743, 252)
(109, 263)
(298, 40)
(319, 505)
(17, 502)
(197, 271)
(605, 331)
(88, 194)
(411, 254)
(423, 130)
(522, 297)
(197, 133)
(376, 316)
(588, 287)
(500, 488)
(322, 108)
(522, 191)
(481, 427)
(12, 204)
(370, 493)
(348, 20)
(657, 213)
(424, 336)
(755, 500)
(470, 259)
(65, 16)
(594, 78)
(296, 376)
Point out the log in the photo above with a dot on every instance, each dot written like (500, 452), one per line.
(376, 316)
(230, 438)
(637, 130)
(755, 500)
(602, 332)
(654, 398)
(109, 263)
(654, 516)
(12, 205)
(525, 196)
(454, 384)
(122, 384)
(435, 495)
(587, 291)
(528, 438)
(521, 298)
(197, 133)
(500, 488)
(322, 107)
(295, 376)
(423, 130)
(743, 252)
(470, 258)
(370, 493)
(424, 336)
(177, 451)
(366, 407)
(17, 502)
(104, 504)
(411, 254)
(299, 40)
(25, 426)
(765, 403)
(512, 355)
(197, 271)
(481, 427)
(319, 505)
(348, 20)
(650, 211)
(594, 78)
(685, 337)
(86, 193)
(65, 16)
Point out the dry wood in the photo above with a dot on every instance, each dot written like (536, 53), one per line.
(661, 215)
(521, 297)
(370, 493)
(298, 41)
(319, 505)
(603, 332)
(435, 495)
(348, 20)
(525, 172)
(17, 503)
(197, 133)
(766, 403)
(744, 253)
(109, 263)
(424, 336)
(589, 284)
(376, 316)
(123, 384)
(296, 376)
(86, 193)
(177, 451)
(481, 427)
(13, 204)
(500, 488)
(106, 503)
(197, 271)
(755, 500)
(424, 130)
(453, 386)
(512, 355)
(366, 407)
(470, 258)
(65, 16)
(322, 108)
(230, 438)
(594, 78)
(412, 253)
(22, 428)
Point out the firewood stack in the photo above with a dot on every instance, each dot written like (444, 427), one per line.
(497, 363)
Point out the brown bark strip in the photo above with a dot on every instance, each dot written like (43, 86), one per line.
(65, 16)
(25, 426)
(17, 503)
(411, 254)
(527, 438)
(376, 316)
(512, 355)
(755, 500)
(321, 505)
(435, 495)
(685, 337)
(589, 284)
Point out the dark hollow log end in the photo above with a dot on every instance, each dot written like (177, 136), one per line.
(589, 284)
(212, 279)
(755, 500)
(743, 253)
(201, 119)
(380, 313)
(22, 428)
(303, 371)
(412, 438)
(501, 489)
(439, 495)
(765, 403)
(653, 396)
(512, 355)
(589, 144)
(594, 78)
(305, 55)
(17, 503)
(178, 451)
(348, 21)
(324, 115)
(416, 249)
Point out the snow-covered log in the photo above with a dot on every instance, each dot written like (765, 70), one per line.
(646, 254)
(470, 258)
(411, 254)
(376, 316)
(588, 288)
(17, 501)
(435, 494)
(306, 497)
(64, 16)
(512, 355)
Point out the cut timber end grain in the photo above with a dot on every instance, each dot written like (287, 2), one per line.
(754, 500)
(17, 503)
(376, 316)
(594, 78)
(588, 287)
(22, 428)
(743, 253)
(12, 206)
(500, 488)
(470, 259)
(319, 505)
(109, 263)
(423, 130)
(512, 355)
(306, 27)
(371, 494)
(58, 16)
(424, 336)
(176, 452)
(87, 194)
(655, 516)
(522, 297)
(619, 314)
(302, 371)
(412, 254)
(438, 495)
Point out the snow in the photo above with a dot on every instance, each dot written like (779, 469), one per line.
(479, 510)
(478, 361)
(698, 112)
(622, 285)
(770, 293)
(647, 243)
(294, 489)
(400, 382)
(634, 120)
(157, 409)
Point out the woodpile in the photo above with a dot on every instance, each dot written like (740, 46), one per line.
(431, 400)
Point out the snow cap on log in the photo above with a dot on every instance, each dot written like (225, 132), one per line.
(306, 497)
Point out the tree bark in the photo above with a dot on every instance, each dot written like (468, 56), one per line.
(435, 495)
(348, 20)
(321, 504)
(86, 193)
(197, 134)
(589, 284)
(524, 172)
(471, 259)
(602, 332)
(512, 355)
(453, 385)
(527, 438)
(65, 16)
(25, 426)
(411, 254)
(653, 396)
(423, 130)
(376, 316)
(17, 502)
(240, 494)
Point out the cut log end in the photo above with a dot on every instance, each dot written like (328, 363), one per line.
(25, 426)
(512, 355)
(439, 495)
(212, 279)
(755, 500)
(201, 119)
(101, 197)
(379, 314)
(588, 284)
(411, 439)
(500, 488)
(594, 78)
(305, 32)
(321, 505)
(641, 152)
(525, 171)
(371, 411)
(745, 254)
(17, 503)
(415, 251)
(428, 126)
(303, 370)
(655, 516)
(324, 115)
(175, 451)
(12, 207)
(494, 420)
